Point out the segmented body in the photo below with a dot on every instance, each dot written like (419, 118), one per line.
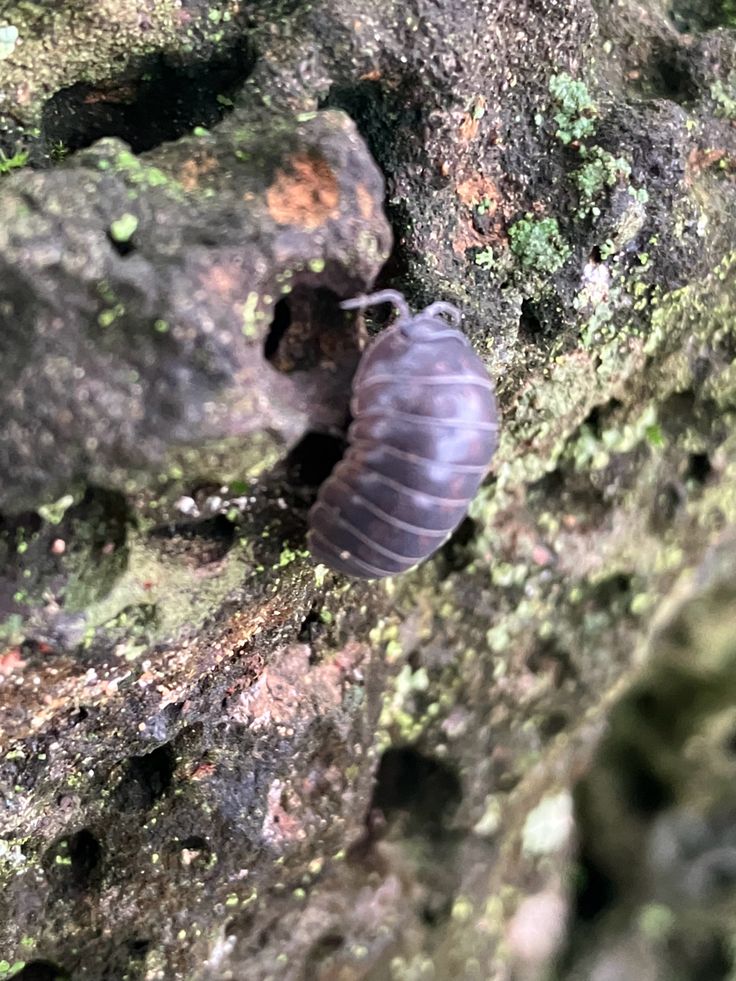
(423, 433)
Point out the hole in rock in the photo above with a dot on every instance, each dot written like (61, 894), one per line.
(138, 947)
(157, 102)
(85, 853)
(698, 468)
(595, 890)
(598, 417)
(547, 657)
(645, 792)
(311, 627)
(194, 843)
(279, 325)
(553, 724)
(531, 328)
(455, 552)
(309, 329)
(322, 950)
(316, 344)
(611, 589)
(197, 543)
(122, 248)
(73, 861)
(41, 971)
(314, 457)
(429, 790)
(672, 78)
(147, 779)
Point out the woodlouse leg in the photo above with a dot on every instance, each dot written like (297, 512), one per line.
(383, 296)
(451, 312)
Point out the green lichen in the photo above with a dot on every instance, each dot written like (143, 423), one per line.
(8, 970)
(538, 245)
(725, 96)
(485, 258)
(289, 555)
(123, 228)
(15, 162)
(108, 317)
(54, 513)
(253, 317)
(136, 171)
(592, 451)
(601, 170)
(576, 112)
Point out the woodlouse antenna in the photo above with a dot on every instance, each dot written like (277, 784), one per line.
(382, 296)
(450, 311)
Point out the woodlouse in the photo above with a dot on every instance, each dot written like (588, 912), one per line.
(423, 433)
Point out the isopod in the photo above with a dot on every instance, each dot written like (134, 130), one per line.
(423, 432)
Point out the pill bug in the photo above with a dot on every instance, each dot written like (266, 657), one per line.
(423, 433)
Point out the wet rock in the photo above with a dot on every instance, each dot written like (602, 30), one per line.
(137, 297)
(218, 762)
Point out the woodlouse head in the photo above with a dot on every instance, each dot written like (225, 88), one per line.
(428, 322)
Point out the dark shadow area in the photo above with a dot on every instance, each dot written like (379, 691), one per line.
(122, 248)
(41, 971)
(531, 329)
(455, 554)
(548, 657)
(611, 590)
(85, 853)
(279, 326)
(317, 344)
(322, 950)
(698, 468)
(138, 948)
(388, 117)
(642, 790)
(414, 802)
(310, 330)
(595, 891)
(693, 16)
(599, 417)
(72, 864)
(159, 101)
(94, 534)
(670, 75)
(381, 112)
(196, 543)
(426, 789)
(192, 854)
(314, 457)
(311, 628)
(147, 779)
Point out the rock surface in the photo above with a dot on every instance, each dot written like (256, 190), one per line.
(137, 299)
(219, 762)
